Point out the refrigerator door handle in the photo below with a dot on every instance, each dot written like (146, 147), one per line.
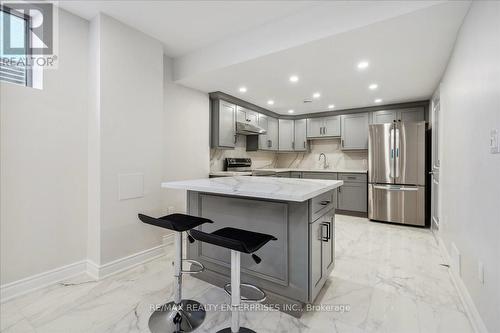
(391, 162)
(396, 143)
(395, 188)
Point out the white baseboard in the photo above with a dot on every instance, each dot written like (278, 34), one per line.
(469, 306)
(41, 280)
(95, 271)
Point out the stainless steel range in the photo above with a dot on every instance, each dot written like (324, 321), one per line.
(236, 164)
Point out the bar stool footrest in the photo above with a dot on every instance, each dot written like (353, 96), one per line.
(241, 330)
(245, 299)
(200, 266)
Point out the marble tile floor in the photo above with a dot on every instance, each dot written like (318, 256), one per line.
(387, 278)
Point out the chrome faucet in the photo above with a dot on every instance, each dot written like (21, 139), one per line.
(325, 165)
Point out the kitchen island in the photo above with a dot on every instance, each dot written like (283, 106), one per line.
(298, 212)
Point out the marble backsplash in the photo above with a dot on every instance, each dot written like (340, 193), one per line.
(260, 159)
(336, 158)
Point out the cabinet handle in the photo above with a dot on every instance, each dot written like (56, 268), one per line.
(351, 177)
(235, 138)
(325, 129)
(293, 144)
(268, 143)
(342, 143)
(327, 237)
(304, 144)
(324, 203)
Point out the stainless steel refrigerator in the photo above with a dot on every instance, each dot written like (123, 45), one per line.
(396, 172)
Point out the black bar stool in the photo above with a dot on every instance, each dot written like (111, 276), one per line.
(237, 240)
(180, 315)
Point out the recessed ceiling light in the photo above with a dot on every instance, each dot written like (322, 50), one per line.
(363, 64)
(294, 78)
(378, 100)
(316, 95)
(331, 106)
(243, 89)
(270, 102)
(291, 111)
(373, 86)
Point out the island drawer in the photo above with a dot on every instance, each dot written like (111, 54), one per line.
(353, 177)
(320, 205)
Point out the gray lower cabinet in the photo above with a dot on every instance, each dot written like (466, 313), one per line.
(406, 115)
(321, 251)
(353, 195)
(354, 131)
(286, 134)
(300, 139)
(285, 174)
(323, 175)
(223, 124)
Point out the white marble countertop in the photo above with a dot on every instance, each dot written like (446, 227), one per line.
(230, 173)
(287, 189)
(315, 170)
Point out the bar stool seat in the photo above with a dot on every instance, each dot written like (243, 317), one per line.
(175, 222)
(236, 240)
(179, 315)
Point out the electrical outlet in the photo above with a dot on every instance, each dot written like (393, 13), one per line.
(494, 142)
(480, 272)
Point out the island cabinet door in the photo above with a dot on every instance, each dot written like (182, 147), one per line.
(322, 252)
(328, 243)
(316, 278)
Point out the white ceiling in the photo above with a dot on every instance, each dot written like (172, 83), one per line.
(222, 45)
(407, 55)
(185, 26)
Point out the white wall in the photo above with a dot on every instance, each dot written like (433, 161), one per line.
(44, 163)
(470, 178)
(186, 139)
(130, 129)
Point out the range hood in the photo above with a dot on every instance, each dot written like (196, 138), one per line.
(248, 129)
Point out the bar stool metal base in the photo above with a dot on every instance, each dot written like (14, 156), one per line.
(242, 330)
(191, 312)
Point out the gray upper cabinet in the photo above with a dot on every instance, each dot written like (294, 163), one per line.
(223, 124)
(300, 139)
(412, 115)
(406, 115)
(354, 131)
(286, 134)
(332, 126)
(245, 115)
(323, 127)
(314, 127)
(384, 116)
(268, 141)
